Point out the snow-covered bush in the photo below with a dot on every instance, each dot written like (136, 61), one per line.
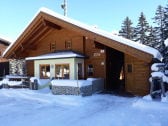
(159, 75)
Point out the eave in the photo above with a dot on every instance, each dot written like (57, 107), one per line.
(45, 22)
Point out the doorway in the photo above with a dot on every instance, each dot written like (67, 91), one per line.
(114, 70)
(4, 69)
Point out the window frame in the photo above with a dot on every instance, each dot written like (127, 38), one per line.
(129, 68)
(45, 76)
(52, 46)
(68, 44)
(90, 71)
(63, 73)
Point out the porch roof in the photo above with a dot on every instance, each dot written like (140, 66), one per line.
(58, 55)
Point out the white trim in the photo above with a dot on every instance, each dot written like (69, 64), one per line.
(57, 55)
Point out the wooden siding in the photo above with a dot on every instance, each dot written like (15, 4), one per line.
(137, 81)
(95, 58)
(2, 49)
(30, 68)
(58, 38)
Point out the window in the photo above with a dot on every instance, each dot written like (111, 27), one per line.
(62, 71)
(68, 44)
(52, 46)
(90, 70)
(129, 68)
(45, 71)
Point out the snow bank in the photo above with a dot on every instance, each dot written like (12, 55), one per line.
(25, 107)
(40, 81)
(4, 81)
(10, 83)
(16, 77)
(14, 83)
(71, 83)
(149, 105)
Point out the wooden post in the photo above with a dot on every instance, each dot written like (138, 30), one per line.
(77, 79)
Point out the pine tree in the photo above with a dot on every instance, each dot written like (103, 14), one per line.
(165, 36)
(126, 29)
(159, 28)
(165, 23)
(152, 39)
(142, 30)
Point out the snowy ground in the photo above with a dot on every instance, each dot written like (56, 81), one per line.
(23, 107)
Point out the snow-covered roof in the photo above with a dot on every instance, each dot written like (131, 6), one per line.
(5, 39)
(97, 31)
(109, 35)
(57, 55)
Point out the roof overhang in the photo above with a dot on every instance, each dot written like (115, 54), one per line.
(58, 55)
(45, 20)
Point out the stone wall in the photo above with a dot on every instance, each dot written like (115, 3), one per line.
(17, 67)
(96, 86)
(65, 90)
(69, 90)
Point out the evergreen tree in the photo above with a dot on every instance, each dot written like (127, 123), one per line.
(165, 23)
(142, 30)
(165, 36)
(152, 39)
(159, 28)
(126, 29)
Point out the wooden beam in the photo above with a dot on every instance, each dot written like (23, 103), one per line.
(38, 36)
(50, 24)
(34, 37)
(31, 43)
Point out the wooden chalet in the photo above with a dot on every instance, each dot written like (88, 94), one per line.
(4, 43)
(4, 65)
(59, 47)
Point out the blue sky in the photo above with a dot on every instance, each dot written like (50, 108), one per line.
(107, 14)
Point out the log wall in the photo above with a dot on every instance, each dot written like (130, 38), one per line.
(96, 58)
(55, 41)
(137, 79)
(2, 49)
(30, 68)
